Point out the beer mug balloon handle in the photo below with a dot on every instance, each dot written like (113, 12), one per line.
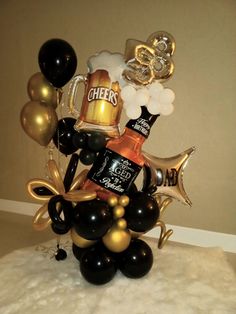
(73, 92)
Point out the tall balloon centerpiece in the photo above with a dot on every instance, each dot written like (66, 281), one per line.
(102, 209)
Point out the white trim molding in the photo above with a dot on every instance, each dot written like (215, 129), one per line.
(184, 235)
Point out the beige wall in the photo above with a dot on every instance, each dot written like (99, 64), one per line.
(204, 83)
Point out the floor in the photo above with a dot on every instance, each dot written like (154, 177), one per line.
(16, 232)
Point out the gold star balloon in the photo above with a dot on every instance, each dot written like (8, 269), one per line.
(167, 175)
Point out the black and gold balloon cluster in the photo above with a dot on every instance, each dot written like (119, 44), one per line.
(105, 236)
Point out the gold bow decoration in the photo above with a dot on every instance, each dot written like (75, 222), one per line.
(150, 60)
(56, 187)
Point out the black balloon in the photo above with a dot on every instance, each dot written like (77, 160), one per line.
(92, 219)
(60, 255)
(97, 265)
(132, 190)
(70, 171)
(136, 261)
(57, 61)
(60, 225)
(80, 140)
(63, 137)
(60, 228)
(78, 251)
(96, 141)
(142, 212)
(87, 157)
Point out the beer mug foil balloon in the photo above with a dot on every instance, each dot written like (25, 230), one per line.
(102, 209)
(102, 104)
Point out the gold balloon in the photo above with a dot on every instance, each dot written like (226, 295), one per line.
(56, 186)
(116, 239)
(112, 200)
(40, 89)
(39, 121)
(80, 241)
(123, 200)
(118, 211)
(162, 42)
(167, 174)
(121, 223)
(149, 61)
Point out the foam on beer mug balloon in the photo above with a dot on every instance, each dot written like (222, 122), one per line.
(153, 106)
(167, 109)
(128, 93)
(142, 96)
(113, 63)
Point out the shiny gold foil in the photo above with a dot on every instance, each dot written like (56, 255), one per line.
(101, 106)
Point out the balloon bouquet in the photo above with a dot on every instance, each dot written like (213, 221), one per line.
(102, 208)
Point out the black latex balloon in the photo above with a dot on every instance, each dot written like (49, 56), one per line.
(57, 61)
(92, 219)
(70, 171)
(142, 212)
(54, 213)
(41, 190)
(77, 251)
(87, 157)
(63, 137)
(97, 265)
(132, 190)
(136, 261)
(80, 139)
(60, 228)
(60, 255)
(96, 141)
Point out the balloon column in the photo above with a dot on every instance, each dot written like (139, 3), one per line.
(101, 208)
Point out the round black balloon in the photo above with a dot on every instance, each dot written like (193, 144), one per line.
(97, 265)
(96, 141)
(63, 137)
(78, 251)
(132, 190)
(62, 225)
(80, 139)
(57, 61)
(87, 157)
(60, 255)
(136, 261)
(92, 219)
(142, 212)
(70, 171)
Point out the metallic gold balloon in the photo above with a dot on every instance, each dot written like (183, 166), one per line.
(56, 186)
(118, 211)
(40, 223)
(162, 42)
(149, 61)
(112, 200)
(167, 174)
(39, 121)
(80, 241)
(123, 200)
(40, 89)
(116, 239)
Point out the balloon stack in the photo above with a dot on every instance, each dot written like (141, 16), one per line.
(102, 209)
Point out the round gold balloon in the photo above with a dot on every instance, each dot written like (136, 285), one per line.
(39, 121)
(123, 200)
(112, 200)
(118, 211)
(40, 89)
(80, 241)
(116, 239)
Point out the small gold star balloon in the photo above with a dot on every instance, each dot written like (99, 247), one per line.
(167, 175)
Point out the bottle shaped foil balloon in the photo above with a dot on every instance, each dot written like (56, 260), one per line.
(120, 162)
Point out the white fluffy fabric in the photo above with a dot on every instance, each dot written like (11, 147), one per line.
(183, 280)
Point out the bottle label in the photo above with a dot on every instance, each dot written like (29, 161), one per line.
(113, 171)
(140, 125)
